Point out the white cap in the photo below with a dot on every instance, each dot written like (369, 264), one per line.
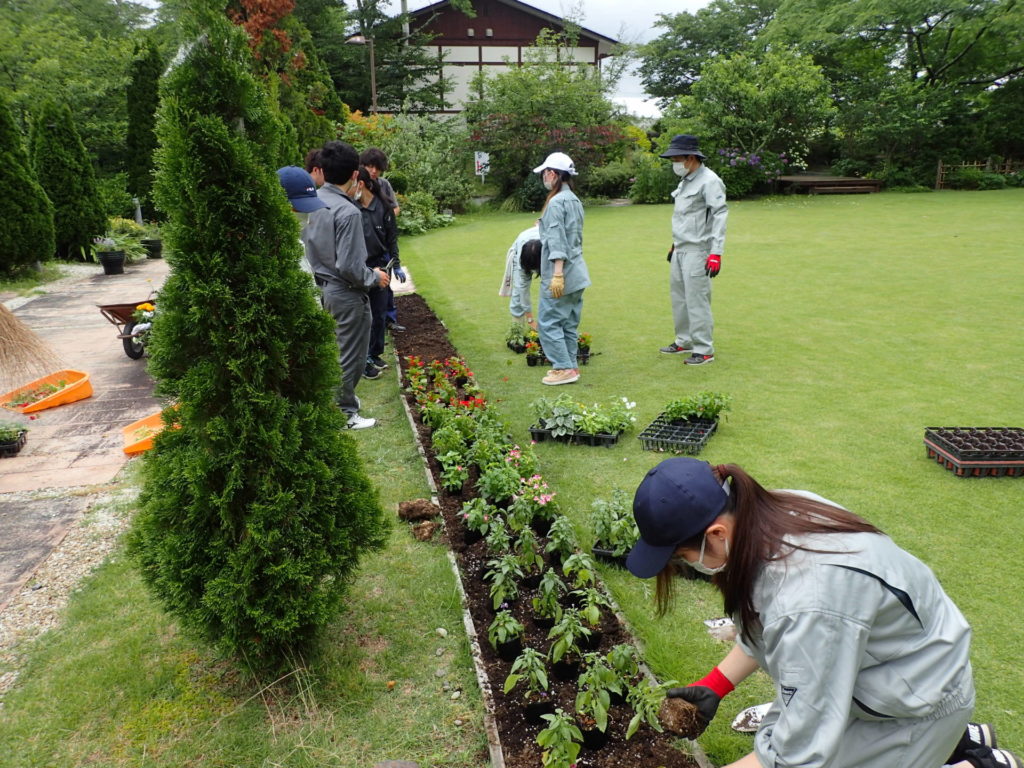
(559, 161)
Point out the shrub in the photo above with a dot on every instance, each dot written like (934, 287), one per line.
(65, 171)
(114, 197)
(746, 172)
(653, 182)
(965, 178)
(528, 196)
(254, 513)
(26, 214)
(611, 180)
(992, 181)
(419, 214)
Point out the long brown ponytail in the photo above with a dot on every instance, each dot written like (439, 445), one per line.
(762, 520)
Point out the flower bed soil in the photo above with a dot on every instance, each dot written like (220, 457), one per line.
(427, 339)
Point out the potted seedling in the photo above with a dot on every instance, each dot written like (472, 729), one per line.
(580, 569)
(506, 635)
(478, 516)
(596, 683)
(561, 540)
(560, 741)
(498, 483)
(686, 423)
(515, 339)
(624, 660)
(615, 530)
(591, 601)
(454, 472)
(12, 439)
(530, 669)
(498, 541)
(583, 348)
(504, 574)
(547, 608)
(567, 634)
(646, 698)
(527, 548)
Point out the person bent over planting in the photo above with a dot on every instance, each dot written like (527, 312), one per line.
(869, 656)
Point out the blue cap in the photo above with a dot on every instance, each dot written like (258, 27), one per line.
(300, 188)
(677, 499)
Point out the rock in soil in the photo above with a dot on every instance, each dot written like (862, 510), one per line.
(682, 718)
(425, 530)
(418, 509)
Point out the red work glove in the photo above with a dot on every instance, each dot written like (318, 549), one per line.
(705, 694)
(713, 265)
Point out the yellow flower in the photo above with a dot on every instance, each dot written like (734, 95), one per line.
(146, 307)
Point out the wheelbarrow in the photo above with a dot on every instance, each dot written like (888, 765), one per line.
(131, 332)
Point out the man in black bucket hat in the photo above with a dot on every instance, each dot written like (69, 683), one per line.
(698, 239)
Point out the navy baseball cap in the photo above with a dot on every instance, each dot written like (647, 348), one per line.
(677, 499)
(300, 188)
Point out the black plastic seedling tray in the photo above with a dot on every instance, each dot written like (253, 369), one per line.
(677, 436)
(977, 451)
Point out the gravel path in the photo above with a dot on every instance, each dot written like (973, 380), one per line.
(39, 605)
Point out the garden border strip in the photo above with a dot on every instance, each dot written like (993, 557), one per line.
(490, 724)
(497, 757)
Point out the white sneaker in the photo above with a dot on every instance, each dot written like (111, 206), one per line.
(356, 421)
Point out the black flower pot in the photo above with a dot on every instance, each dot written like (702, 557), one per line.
(112, 261)
(607, 556)
(593, 739)
(154, 248)
(509, 651)
(534, 711)
(12, 447)
(565, 670)
(543, 622)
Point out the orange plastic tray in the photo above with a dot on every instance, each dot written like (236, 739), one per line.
(138, 436)
(78, 388)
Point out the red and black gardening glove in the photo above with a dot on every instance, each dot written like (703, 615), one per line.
(705, 694)
(713, 265)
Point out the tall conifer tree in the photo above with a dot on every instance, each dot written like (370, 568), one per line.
(26, 214)
(255, 510)
(65, 171)
(143, 98)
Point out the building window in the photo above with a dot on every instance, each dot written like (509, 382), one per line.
(470, 32)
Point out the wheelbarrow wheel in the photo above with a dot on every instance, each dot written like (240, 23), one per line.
(133, 347)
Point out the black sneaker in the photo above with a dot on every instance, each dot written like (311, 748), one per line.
(371, 372)
(395, 327)
(698, 359)
(673, 349)
(975, 736)
(377, 362)
(985, 757)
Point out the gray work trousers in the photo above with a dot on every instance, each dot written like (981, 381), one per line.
(690, 290)
(351, 312)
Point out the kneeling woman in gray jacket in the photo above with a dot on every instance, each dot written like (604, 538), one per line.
(869, 656)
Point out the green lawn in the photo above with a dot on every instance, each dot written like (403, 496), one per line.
(845, 326)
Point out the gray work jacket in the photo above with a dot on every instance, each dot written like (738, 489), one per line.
(864, 631)
(700, 212)
(561, 237)
(335, 246)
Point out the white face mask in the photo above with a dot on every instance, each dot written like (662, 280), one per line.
(699, 566)
(679, 169)
(548, 181)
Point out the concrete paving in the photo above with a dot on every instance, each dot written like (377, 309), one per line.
(78, 444)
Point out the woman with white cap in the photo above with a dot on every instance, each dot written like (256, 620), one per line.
(869, 657)
(563, 273)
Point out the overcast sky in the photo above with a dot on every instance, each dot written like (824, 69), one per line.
(623, 21)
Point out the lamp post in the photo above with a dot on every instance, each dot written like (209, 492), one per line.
(361, 40)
